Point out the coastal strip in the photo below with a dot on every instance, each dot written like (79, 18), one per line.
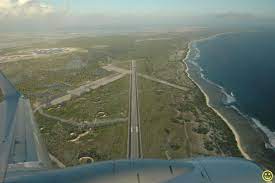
(236, 135)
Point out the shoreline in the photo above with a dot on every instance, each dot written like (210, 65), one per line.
(235, 133)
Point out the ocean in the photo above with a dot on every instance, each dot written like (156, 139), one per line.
(242, 67)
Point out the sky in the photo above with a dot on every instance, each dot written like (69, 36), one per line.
(64, 13)
(257, 7)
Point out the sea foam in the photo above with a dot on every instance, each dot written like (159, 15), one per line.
(229, 99)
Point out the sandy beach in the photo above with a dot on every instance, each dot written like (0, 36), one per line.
(251, 141)
(237, 137)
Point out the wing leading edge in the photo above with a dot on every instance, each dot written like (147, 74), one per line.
(20, 144)
(205, 170)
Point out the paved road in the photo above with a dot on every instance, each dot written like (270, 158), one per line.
(125, 71)
(163, 82)
(134, 130)
(87, 88)
(111, 67)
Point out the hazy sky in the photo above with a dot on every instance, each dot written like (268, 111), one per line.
(65, 13)
(157, 7)
(262, 7)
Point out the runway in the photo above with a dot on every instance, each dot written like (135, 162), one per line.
(134, 151)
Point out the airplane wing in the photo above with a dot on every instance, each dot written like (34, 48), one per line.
(20, 143)
(205, 170)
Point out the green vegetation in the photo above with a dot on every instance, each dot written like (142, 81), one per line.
(160, 133)
(201, 129)
(174, 123)
(177, 125)
(220, 134)
(185, 113)
(155, 114)
(42, 79)
(158, 59)
(1, 95)
(209, 145)
(102, 48)
(100, 144)
(125, 64)
(106, 102)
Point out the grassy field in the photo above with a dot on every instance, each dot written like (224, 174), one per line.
(159, 134)
(100, 144)
(106, 102)
(178, 123)
(42, 79)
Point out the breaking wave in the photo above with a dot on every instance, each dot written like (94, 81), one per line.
(229, 97)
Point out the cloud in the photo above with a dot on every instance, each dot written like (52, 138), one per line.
(24, 8)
